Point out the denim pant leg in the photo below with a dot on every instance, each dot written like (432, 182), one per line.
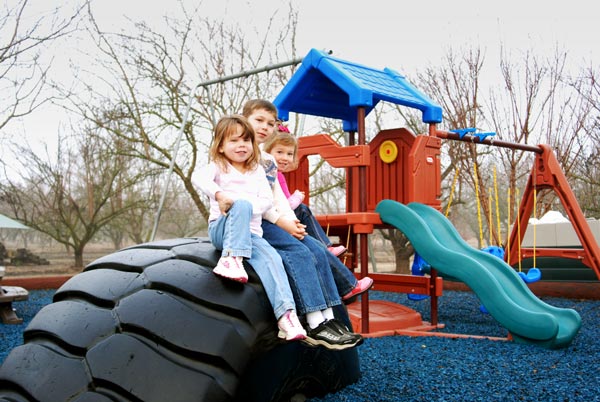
(344, 279)
(231, 233)
(306, 217)
(300, 267)
(326, 278)
(269, 268)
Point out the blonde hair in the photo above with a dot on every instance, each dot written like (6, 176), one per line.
(259, 104)
(224, 129)
(285, 139)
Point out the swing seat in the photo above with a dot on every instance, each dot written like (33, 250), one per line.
(416, 297)
(533, 275)
(495, 251)
(419, 268)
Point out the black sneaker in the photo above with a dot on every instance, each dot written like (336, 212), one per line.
(328, 334)
(342, 329)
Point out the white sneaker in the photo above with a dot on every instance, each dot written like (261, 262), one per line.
(231, 268)
(290, 328)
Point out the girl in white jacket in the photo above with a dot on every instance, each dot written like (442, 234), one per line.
(240, 197)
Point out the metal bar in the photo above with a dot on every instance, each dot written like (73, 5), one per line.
(487, 141)
(171, 165)
(362, 207)
(246, 73)
(186, 117)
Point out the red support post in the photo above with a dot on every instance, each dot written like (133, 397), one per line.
(547, 174)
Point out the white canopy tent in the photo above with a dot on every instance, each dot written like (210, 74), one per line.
(9, 294)
(8, 223)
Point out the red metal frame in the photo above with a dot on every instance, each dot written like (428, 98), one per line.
(369, 180)
(414, 176)
(547, 174)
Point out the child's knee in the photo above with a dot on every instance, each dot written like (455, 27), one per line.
(302, 208)
(242, 205)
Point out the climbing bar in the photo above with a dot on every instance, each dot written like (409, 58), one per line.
(449, 135)
(463, 131)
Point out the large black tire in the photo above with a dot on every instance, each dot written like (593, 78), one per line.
(152, 323)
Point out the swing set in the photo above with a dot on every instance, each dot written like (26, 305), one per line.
(534, 274)
(545, 174)
(401, 166)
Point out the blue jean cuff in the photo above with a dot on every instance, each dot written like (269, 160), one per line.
(236, 253)
(281, 309)
(313, 309)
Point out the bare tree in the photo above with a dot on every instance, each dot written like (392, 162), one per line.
(534, 104)
(147, 77)
(327, 184)
(24, 38)
(69, 197)
(133, 223)
(182, 219)
(587, 181)
(586, 171)
(538, 106)
(456, 86)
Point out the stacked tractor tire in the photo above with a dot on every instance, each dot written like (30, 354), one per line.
(153, 323)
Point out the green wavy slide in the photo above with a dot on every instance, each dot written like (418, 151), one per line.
(499, 288)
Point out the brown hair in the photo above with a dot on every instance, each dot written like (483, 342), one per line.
(282, 138)
(259, 104)
(223, 131)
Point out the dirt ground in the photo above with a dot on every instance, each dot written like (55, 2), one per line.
(61, 262)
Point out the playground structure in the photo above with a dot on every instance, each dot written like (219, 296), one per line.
(8, 295)
(151, 322)
(398, 165)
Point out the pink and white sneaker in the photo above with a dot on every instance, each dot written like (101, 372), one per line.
(231, 268)
(290, 328)
(361, 287)
(337, 250)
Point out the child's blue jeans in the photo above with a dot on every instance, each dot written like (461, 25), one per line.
(344, 279)
(308, 267)
(313, 228)
(231, 234)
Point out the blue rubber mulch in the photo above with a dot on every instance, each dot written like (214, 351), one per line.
(401, 368)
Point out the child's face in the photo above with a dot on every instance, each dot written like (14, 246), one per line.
(263, 123)
(236, 149)
(284, 157)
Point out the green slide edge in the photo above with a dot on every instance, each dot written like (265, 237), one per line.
(496, 284)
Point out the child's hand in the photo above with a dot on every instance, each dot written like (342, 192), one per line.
(293, 227)
(225, 203)
(300, 226)
(296, 199)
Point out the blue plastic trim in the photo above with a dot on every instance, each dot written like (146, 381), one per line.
(472, 131)
(463, 131)
(483, 136)
(329, 87)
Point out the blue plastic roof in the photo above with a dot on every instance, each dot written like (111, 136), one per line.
(329, 87)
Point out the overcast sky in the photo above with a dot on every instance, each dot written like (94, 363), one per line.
(402, 35)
